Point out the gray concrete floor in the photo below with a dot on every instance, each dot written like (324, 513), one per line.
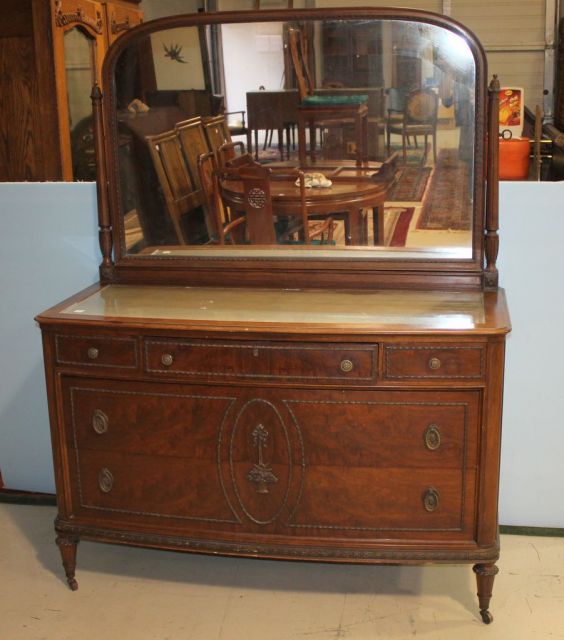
(141, 594)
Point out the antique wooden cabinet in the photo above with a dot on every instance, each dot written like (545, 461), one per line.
(52, 51)
(319, 402)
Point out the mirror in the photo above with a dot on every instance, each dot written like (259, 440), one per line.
(80, 63)
(379, 115)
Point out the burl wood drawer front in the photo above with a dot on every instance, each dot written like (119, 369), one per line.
(259, 361)
(276, 461)
(185, 490)
(96, 351)
(137, 419)
(423, 362)
(387, 461)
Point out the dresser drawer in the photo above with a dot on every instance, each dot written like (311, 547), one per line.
(162, 420)
(184, 491)
(307, 363)
(435, 362)
(96, 351)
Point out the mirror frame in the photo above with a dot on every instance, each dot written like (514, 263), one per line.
(478, 272)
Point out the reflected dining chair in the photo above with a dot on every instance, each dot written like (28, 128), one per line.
(419, 119)
(193, 143)
(217, 132)
(336, 109)
(218, 214)
(260, 216)
(232, 155)
(181, 193)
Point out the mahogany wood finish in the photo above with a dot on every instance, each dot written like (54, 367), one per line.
(284, 407)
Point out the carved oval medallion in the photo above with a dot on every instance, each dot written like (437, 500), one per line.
(257, 198)
(260, 461)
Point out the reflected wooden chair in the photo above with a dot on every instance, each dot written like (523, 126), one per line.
(419, 119)
(232, 155)
(260, 217)
(193, 143)
(217, 133)
(182, 194)
(223, 228)
(334, 109)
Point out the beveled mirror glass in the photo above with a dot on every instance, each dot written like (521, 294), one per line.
(387, 138)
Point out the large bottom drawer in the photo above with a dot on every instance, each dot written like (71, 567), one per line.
(284, 462)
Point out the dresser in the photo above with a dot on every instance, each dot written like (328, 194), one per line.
(325, 403)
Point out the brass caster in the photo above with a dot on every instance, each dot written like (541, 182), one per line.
(487, 617)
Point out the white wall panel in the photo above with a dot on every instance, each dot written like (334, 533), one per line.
(503, 22)
(60, 257)
(428, 5)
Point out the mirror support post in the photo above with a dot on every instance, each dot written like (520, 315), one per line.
(104, 222)
(492, 190)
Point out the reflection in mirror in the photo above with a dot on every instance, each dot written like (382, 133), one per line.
(79, 70)
(365, 128)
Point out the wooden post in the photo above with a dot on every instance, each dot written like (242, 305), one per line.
(491, 275)
(104, 222)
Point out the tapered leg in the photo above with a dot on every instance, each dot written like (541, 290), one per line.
(485, 574)
(67, 546)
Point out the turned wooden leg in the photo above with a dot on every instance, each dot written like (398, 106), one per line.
(67, 546)
(485, 574)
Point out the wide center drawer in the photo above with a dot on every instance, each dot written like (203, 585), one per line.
(311, 362)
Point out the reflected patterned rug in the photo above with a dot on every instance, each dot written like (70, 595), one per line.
(396, 225)
(410, 185)
(447, 201)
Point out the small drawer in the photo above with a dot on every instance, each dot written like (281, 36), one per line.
(415, 362)
(308, 363)
(96, 351)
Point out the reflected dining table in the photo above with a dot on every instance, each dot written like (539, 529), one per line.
(353, 190)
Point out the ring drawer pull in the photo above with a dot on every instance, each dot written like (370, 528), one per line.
(93, 353)
(167, 359)
(432, 437)
(434, 364)
(431, 499)
(346, 366)
(105, 480)
(100, 421)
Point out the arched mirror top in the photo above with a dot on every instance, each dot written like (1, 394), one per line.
(338, 146)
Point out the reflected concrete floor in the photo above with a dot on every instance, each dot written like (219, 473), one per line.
(140, 594)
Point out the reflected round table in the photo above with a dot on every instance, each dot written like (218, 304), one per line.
(349, 194)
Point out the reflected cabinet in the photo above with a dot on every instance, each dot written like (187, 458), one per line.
(296, 347)
(54, 51)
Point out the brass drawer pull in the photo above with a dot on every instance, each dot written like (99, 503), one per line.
(432, 437)
(346, 366)
(93, 353)
(105, 480)
(100, 421)
(431, 499)
(167, 359)
(434, 364)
